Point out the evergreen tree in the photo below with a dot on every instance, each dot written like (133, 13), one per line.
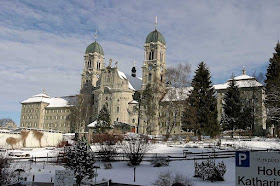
(272, 90)
(103, 119)
(148, 96)
(80, 158)
(232, 107)
(201, 105)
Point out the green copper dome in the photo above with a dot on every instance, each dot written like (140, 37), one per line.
(155, 36)
(94, 47)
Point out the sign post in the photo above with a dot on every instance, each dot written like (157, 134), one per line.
(257, 168)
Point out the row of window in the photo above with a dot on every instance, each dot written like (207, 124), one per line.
(55, 125)
(57, 111)
(30, 117)
(30, 110)
(29, 105)
(152, 56)
(164, 124)
(28, 124)
(90, 65)
(55, 117)
(170, 113)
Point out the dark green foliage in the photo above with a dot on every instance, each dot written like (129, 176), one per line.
(272, 89)
(232, 107)
(247, 118)
(148, 98)
(201, 105)
(103, 119)
(80, 159)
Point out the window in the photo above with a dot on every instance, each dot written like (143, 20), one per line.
(151, 55)
(117, 119)
(35, 124)
(133, 120)
(150, 77)
(118, 109)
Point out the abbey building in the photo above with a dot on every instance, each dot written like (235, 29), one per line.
(107, 85)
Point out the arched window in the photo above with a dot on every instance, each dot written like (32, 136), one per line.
(151, 55)
(150, 77)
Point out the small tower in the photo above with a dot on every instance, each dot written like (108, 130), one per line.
(133, 70)
(154, 63)
(93, 63)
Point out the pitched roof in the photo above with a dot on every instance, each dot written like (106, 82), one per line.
(177, 94)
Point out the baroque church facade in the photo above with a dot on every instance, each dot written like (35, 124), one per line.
(107, 85)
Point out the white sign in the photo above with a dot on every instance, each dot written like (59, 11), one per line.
(64, 178)
(257, 168)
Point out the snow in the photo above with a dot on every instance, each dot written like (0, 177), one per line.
(53, 102)
(38, 98)
(130, 86)
(177, 94)
(93, 124)
(58, 102)
(243, 76)
(146, 174)
(133, 102)
(122, 75)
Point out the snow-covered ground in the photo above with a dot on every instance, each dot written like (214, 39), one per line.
(146, 174)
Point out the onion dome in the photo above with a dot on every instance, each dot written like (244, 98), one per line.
(155, 36)
(94, 47)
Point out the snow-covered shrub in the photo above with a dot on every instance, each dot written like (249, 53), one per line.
(159, 161)
(167, 179)
(208, 170)
(106, 145)
(80, 158)
(107, 165)
(135, 149)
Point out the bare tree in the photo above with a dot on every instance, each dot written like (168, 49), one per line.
(178, 79)
(135, 149)
(106, 145)
(81, 112)
(4, 121)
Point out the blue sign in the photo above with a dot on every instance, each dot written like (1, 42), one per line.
(242, 159)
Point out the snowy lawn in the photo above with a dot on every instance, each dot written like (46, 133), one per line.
(146, 174)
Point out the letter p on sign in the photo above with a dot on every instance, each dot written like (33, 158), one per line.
(242, 159)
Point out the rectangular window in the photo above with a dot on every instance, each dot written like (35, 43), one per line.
(118, 109)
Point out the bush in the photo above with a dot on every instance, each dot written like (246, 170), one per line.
(107, 165)
(208, 170)
(159, 161)
(107, 145)
(167, 179)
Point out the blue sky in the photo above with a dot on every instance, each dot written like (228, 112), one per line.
(42, 42)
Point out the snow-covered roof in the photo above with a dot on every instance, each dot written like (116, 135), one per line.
(242, 81)
(93, 124)
(134, 83)
(52, 102)
(133, 102)
(38, 98)
(121, 75)
(58, 102)
(243, 77)
(177, 94)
